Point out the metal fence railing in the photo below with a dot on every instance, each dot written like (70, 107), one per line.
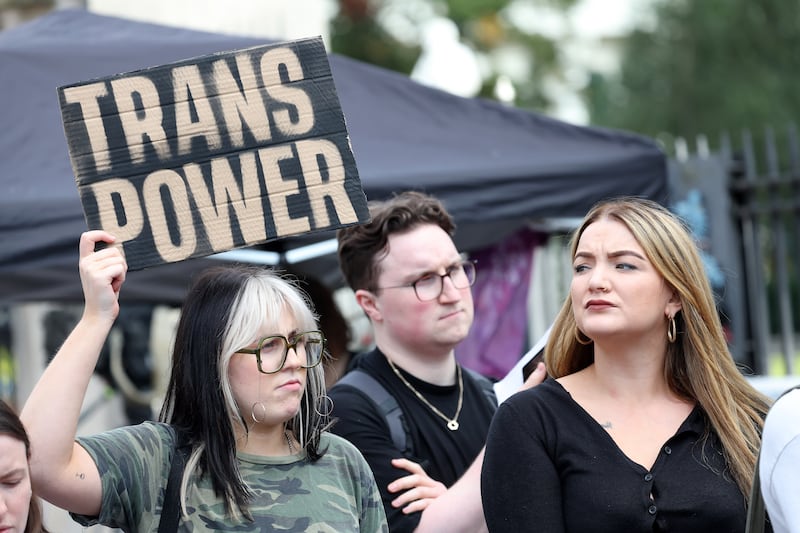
(759, 177)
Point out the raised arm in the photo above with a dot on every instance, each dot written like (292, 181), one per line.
(61, 470)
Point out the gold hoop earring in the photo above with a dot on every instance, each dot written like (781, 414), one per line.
(263, 412)
(581, 341)
(672, 330)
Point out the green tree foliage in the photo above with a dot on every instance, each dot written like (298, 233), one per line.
(706, 67)
(356, 33)
(484, 25)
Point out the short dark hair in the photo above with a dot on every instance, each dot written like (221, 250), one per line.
(361, 246)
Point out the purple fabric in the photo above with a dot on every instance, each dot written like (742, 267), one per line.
(498, 337)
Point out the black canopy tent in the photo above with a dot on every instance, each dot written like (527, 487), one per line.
(495, 167)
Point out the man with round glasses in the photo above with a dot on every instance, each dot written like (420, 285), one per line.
(415, 287)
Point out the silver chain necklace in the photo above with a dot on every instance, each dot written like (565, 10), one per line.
(452, 423)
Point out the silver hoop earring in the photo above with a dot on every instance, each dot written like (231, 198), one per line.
(263, 412)
(672, 330)
(578, 333)
(324, 406)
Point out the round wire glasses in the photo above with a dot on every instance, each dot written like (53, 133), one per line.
(430, 286)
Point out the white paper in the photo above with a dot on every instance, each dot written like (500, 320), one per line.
(511, 384)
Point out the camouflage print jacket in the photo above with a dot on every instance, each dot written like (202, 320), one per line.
(335, 494)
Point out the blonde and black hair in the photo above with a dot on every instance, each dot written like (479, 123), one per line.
(698, 365)
(224, 311)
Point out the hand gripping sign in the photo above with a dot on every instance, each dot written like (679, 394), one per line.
(213, 153)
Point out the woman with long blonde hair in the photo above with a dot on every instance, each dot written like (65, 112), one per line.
(647, 423)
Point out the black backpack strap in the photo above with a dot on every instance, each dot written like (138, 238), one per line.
(170, 509)
(486, 385)
(385, 402)
(390, 409)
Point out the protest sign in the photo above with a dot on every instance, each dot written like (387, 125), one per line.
(213, 153)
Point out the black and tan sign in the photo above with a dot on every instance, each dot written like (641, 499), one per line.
(213, 153)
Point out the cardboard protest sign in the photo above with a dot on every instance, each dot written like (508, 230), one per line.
(213, 153)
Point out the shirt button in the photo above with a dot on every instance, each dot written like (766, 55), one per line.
(648, 477)
(667, 450)
(652, 509)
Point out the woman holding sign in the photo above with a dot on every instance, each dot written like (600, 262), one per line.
(241, 444)
(648, 424)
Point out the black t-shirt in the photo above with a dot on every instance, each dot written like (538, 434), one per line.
(445, 455)
(550, 467)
